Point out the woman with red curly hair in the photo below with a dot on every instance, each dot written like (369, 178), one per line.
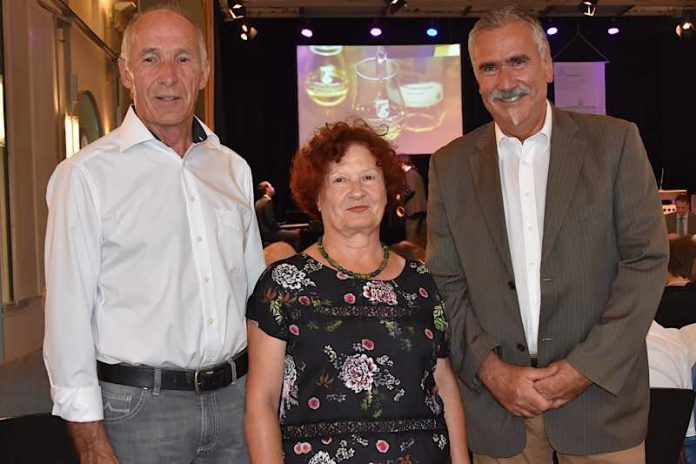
(348, 350)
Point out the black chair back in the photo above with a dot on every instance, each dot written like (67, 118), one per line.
(36, 439)
(670, 411)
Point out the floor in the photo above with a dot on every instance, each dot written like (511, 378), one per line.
(24, 387)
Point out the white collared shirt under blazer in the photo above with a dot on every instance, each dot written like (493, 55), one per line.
(150, 258)
(524, 169)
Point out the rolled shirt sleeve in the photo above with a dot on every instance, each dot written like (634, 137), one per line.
(72, 263)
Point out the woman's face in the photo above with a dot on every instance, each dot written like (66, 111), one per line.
(353, 196)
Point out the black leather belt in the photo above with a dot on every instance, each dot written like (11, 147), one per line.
(534, 361)
(203, 380)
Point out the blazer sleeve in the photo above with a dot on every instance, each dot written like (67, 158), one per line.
(469, 344)
(609, 352)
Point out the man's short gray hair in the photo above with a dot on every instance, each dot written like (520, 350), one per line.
(126, 41)
(499, 17)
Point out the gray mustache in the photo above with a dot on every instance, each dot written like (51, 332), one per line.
(519, 91)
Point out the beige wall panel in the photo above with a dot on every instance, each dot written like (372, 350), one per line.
(24, 329)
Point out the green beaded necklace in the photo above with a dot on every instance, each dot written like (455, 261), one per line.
(355, 275)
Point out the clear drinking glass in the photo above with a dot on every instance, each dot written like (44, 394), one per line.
(378, 100)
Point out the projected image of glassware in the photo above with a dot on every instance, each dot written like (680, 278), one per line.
(327, 82)
(422, 90)
(378, 100)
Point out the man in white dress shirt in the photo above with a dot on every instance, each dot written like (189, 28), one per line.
(152, 248)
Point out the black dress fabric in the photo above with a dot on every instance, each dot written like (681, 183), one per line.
(677, 307)
(358, 384)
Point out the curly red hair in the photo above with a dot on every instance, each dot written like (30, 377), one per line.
(329, 144)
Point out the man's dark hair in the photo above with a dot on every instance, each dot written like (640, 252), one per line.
(261, 188)
(682, 254)
(682, 197)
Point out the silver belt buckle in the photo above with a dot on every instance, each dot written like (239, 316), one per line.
(196, 383)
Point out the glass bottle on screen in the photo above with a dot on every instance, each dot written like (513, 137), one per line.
(378, 100)
(327, 82)
(422, 89)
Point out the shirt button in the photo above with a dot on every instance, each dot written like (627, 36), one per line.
(199, 239)
(206, 279)
(192, 198)
(526, 194)
(211, 321)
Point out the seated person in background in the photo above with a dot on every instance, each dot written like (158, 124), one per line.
(670, 365)
(409, 250)
(678, 304)
(277, 251)
(348, 341)
(265, 214)
(681, 222)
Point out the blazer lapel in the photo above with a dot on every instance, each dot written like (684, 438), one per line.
(484, 169)
(567, 153)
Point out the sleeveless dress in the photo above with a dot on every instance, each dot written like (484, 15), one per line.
(358, 384)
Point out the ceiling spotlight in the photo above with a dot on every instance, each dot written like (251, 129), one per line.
(392, 6)
(553, 30)
(237, 10)
(432, 31)
(613, 30)
(588, 7)
(685, 29)
(246, 30)
(375, 31)
(306, 32)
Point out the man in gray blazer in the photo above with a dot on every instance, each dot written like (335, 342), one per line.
(547, 242)
(682, 223)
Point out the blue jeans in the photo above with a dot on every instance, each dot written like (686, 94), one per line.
(168, 426)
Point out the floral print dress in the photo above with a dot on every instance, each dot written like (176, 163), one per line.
(358, 384)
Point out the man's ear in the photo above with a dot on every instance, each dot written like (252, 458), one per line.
(547, 66)
(125, 75)
(205, 75)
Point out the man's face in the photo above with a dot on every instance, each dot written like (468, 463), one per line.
(164, 70)
(270, 191)
(682, 208)
(512, 77)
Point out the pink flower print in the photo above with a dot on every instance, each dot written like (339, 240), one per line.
(368, 344)
(428, 333)
(306, 447)
(356, 372)
(423, 292)
(349, 298)
(304, 300)
(297, 448)
(294, 329)
(326, 440)
(341, 276)
(382, 446)
(379, 292)
(313, 403)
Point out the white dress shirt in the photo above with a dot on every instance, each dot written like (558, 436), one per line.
(668, 362)
(150, 258)
(524, 168)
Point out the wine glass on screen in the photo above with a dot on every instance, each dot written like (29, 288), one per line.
(378, 100)
(327, 82)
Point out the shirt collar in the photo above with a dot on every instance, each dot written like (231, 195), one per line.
(545, 129)
(133, 132)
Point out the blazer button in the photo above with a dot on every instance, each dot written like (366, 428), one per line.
(521, 347)
(511, 285)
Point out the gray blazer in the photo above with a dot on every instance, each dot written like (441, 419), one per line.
(604, 258)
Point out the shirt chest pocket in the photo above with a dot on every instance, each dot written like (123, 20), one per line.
(231, 224)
